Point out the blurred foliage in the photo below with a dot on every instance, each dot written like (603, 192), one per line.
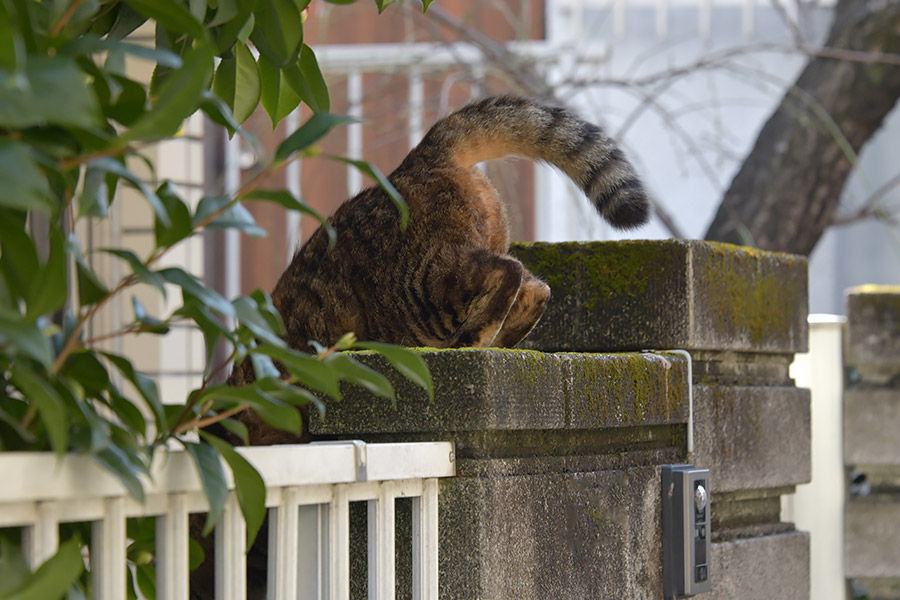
(73, 124)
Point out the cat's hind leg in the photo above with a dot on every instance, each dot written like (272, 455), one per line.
(525, 312)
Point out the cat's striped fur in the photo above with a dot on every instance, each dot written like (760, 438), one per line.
(447, 281)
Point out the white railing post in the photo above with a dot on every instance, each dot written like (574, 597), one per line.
(425, 542)
(382, 579)
(41, 540)
(284, 528)
(339, 544)
(313, 525)
(172, 555)
(108, 552)
(231, 550)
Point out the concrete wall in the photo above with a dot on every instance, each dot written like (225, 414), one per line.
(559, 446)
(871, 441)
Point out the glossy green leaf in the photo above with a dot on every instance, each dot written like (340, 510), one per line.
(312, 74)
(361, 375)
(14, 569)
(276, 95)
(233, 28)
(47, 292)
(212, 476)
(131, 415)
(238, 429)
(287, 200)
(198, 9)
(89, 372)
(18, 256)
(91, 288)
(130, 103)
(410, 364)
(226, 10)
(237, 82)
(310, 371)
(34, 97)
(382, 4)
(309, 133)
(278, 32)
(93, 199)
(383, 182)
(425, 5)
(144, 318)
(248, 312)
(263, 366)
(268, 311)
(90, 44)
(191, 286)
(53, 578)
(145, 575)
(115, 460)
(24, 336)
(49, 405)
(179, 226)
(24, 186)
(178, 98)
(115, 167)
(248, 484)
(139, 269)
(145, 386)
(237, 216)
(170, 14)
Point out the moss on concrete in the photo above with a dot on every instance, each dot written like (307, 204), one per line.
(504, 389)
(873, 332)
(746, 292)
(610, 296)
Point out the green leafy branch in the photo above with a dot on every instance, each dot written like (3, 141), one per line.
(73, 122)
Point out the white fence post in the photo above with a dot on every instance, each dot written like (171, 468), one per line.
(425, 542)
(382, 579)
(108, 551)
(172, 559)
(41, 540)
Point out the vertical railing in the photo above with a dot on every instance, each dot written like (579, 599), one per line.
(309, 491)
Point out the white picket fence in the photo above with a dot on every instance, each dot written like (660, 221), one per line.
(308, 492)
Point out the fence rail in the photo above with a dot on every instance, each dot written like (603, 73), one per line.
(308, 491)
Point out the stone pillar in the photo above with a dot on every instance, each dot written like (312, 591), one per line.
(741, 313)
(872, 441)
(560, 445)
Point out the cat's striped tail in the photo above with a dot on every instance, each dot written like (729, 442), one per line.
(507, 125)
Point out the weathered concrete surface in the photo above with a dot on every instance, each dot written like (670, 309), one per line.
(478, 390)
(568, 535)
(611, 296)
(872, 426)
(873, 329)
(878, 589)
(772, 567)
(872, 536)
(752, 437)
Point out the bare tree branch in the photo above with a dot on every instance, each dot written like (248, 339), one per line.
(788, 188)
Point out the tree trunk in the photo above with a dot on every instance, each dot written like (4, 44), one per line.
(788, 188)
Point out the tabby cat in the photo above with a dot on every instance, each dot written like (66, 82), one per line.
(447, 280)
